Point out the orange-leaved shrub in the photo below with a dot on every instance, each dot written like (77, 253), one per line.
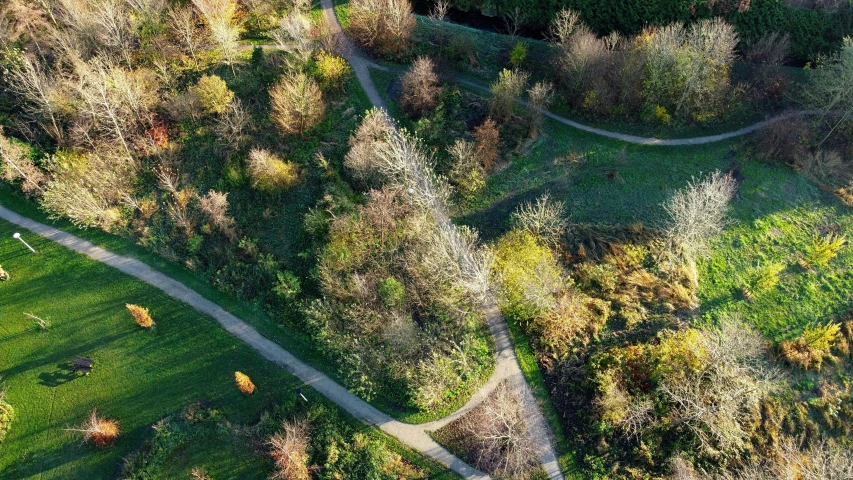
(140, 315)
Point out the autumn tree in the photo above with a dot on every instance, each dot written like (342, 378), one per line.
(544, 218)
(487, 141)
(506, 90)
(141, 315)
(231, 125)
(467, 172)
(102, 432)
(289, 451)
(189, 33)
(220, 18)
(17, 166)
(294, 36)
(297, 104)
(420, 87)
(213, 94)
(7, 413)
(386, 25)
(244, 383)
(214, 205)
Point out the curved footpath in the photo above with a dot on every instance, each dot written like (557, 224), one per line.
(507, 366)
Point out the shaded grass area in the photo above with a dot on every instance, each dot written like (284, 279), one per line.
(139, 377)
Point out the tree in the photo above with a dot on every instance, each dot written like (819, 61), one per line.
(697, 213)
(140, 315)
(541, 96)
(232, 124)
(289, 450)
(17, 165)
(467, 173)
(102, 432)
(224, 30)
(215, 206)
(505, 91)
(244, 383)
(543, 218)
(27, 78)
(487, 141)
(213, 94)
(297, 104)
(187, 30)
(294, 36)
(500, 435)
(420, 88)
(687, 69)
(831, 91)
(361, 160)
(269, 173)
(7, 413)
(382, 24)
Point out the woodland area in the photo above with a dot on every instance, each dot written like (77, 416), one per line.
(678, 311)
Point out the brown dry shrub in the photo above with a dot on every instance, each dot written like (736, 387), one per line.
(420, 87)
(289, 450)
(385, 25)
(784, 141)
(487, 143)
(574, 320)
(140, 315)
(102, 432)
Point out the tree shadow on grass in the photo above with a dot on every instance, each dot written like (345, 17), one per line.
(63, 374)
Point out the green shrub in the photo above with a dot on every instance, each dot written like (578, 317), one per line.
(518, 54)
(761, 279)
(213, 94)
(822, 250)
(269, 173)
(332, 71)
(392, 292)
(809, 350)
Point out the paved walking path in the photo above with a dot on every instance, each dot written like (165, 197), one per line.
(507, 366)
(414, 436)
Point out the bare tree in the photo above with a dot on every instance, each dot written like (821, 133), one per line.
(17, 166)
(294, 37)
(830, 90)
(269, 172)
(467, 172)
(697, 213)
(289, 451)
(186, 29)
(581, 56)
(383, 24)
(514, 21)
(224, 30)
(421, 87)
(544, 218)
(297, 104)
(215, 206)
(541, 95)
(232, 124)
(772, 48)
(438, 12)
(505, 91)
(500, 435)
(28, 79)
(361, 160)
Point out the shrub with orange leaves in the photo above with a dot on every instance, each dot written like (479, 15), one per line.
(100, 431)
(141, 315)
(244, 383)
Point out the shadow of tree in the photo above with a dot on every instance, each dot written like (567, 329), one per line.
(62, 375)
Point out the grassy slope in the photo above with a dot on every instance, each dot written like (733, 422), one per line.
(773, 217)
(139, 376)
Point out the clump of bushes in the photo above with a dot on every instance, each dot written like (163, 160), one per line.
(269, 173)
(384, 25)
(810, 349)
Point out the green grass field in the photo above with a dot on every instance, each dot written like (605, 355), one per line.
(139, 377)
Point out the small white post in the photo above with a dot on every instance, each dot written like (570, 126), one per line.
(18, 236)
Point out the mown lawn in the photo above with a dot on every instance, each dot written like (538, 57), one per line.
(139, 377)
